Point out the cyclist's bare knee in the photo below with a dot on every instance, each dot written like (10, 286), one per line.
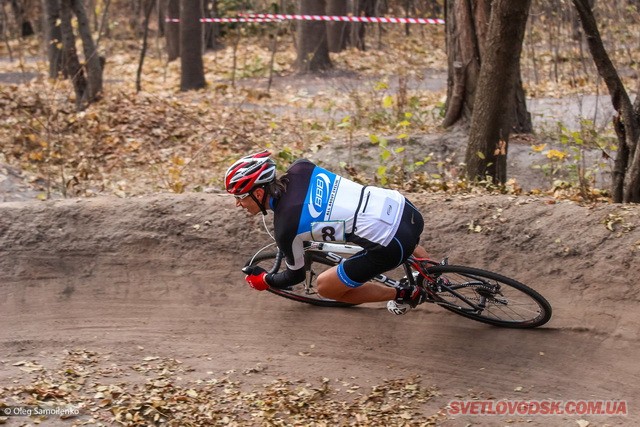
(329, 285)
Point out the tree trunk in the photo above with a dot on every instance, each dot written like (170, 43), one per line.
(494, 103)
(71, 61)
(26, 29)
(464, 55)
(171, 9)
(625, 184)
(53, 37)
(522, 122)
(92, 64)
(192, 67)
(162, 17)
(104, 28)
(211, 30)
(145, 36)
(358, 29)
(466, 24)
(135, 8)
(312, 47)
(337, 31)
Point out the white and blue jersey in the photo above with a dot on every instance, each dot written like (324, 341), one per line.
(320, 205)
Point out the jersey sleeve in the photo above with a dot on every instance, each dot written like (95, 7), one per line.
(286, 278)
(295, 253)
(293, 249)
(294, 259)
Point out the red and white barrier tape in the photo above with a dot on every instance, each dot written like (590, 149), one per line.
(375, 19)
(267, 17)
(226, 20)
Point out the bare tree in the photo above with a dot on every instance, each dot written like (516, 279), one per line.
(625, 184)
(358, 29)
(71, 62)
(467, 23)
(493, 105)
(86, 76)
(53, 37)
(92, 62)
(26, 29)
(337, 31)
(464, 55)
(143, 51)
(171, 9)
(211, 30)
(312, 47)
(192, 67)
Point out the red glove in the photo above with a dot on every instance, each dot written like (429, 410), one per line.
(256, 278)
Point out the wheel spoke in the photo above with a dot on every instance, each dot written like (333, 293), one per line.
(506, 301)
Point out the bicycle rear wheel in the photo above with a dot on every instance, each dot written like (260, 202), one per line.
(300, 292)
(487, 297)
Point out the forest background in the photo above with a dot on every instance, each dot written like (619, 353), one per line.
(376, 112)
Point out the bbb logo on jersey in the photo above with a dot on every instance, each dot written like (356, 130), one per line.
(318, 194)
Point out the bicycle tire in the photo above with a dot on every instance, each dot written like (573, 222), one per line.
(298, 292)
(510, 309)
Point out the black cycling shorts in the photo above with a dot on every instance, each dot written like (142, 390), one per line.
(376, 259)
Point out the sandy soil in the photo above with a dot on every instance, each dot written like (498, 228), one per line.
(129, 293)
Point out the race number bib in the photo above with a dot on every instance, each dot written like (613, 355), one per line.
(328, 231)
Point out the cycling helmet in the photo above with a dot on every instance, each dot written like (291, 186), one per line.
(250, 172)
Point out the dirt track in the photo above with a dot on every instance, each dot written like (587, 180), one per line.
(129, 283)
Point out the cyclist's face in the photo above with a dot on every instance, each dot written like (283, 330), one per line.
(249, 204)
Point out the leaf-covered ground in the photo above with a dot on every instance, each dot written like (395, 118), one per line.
(93, 393)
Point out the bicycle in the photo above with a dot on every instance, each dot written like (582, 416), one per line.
(474, 293)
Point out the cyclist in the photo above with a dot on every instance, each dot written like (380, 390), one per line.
(312, 203)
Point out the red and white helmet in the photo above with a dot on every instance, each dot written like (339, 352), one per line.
(250, 172)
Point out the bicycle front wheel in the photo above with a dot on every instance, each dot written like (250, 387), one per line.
(300, 292)
(487, 297)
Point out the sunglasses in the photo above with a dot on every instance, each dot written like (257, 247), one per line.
(242, 196)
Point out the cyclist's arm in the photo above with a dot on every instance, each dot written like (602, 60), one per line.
(294, 257)
(286, 278)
